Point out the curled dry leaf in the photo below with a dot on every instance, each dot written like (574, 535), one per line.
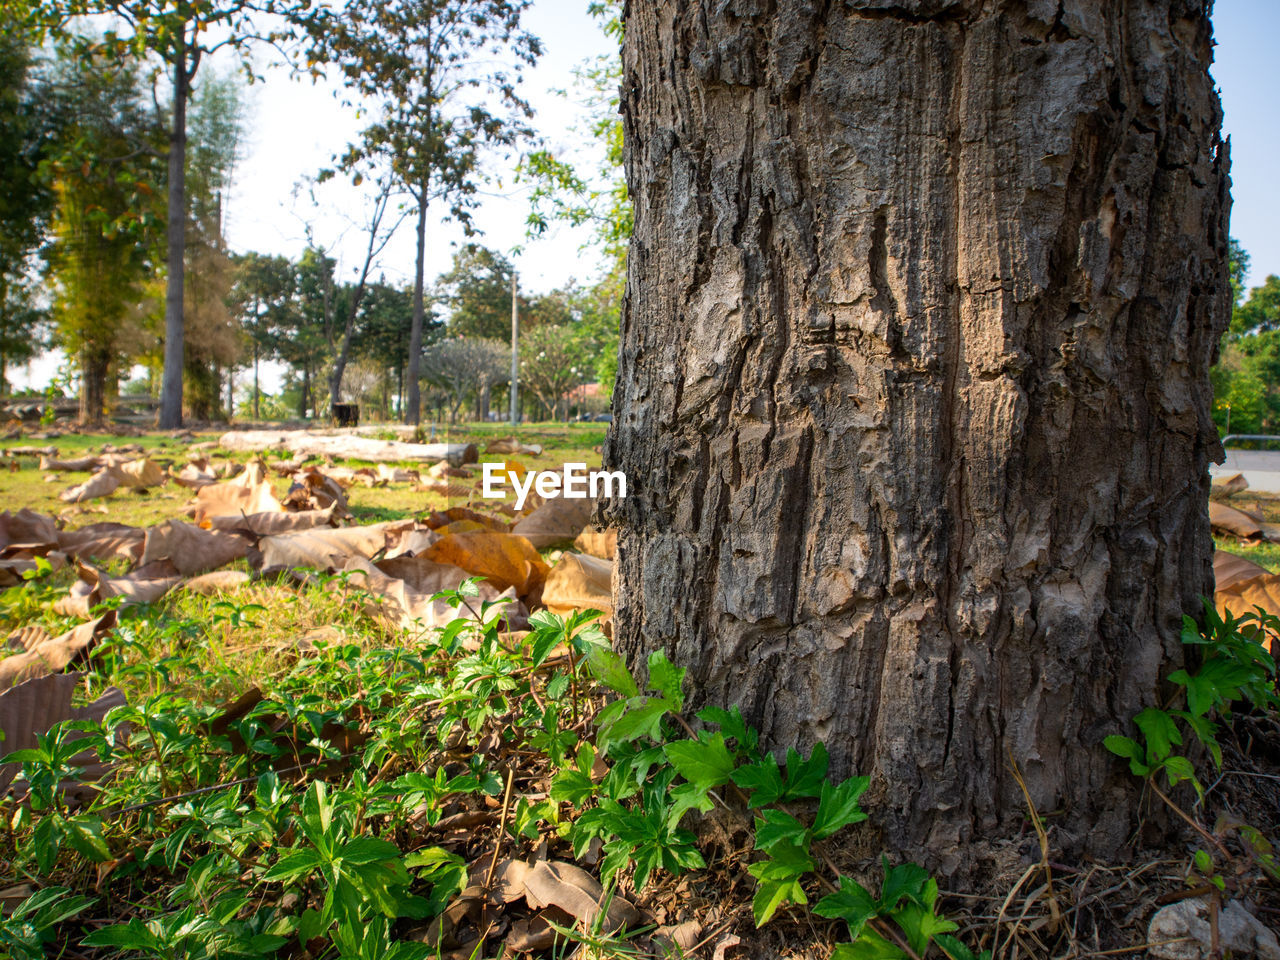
(512, 445)
(503, 559)
(34, 706)
(1231, 521)
(140, 473)
(236, 497)
(1242, 585)
(1230, 486)
(52, 656)
(597, 543)
(580, 582)
(27, 530)
(191, 549)
(558, 519)
(572, 889)
(102, 484)
(407, 603)
(79, 465)
(102, 541)
(442, 518)
(324, 549)
(272, 523)
(13, 568)
(194, 475)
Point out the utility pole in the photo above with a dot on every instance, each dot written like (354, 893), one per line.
(515, 351)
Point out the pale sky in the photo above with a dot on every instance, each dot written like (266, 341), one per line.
(295, 127)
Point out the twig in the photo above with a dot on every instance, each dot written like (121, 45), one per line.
(502, 829)
(1151, 781)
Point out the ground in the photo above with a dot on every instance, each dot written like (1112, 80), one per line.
(274, 732)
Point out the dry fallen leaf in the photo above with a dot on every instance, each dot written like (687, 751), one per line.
(141, 473)
(558, 519)
(1230, 520)
(248, 493)
(191, 549)
(272, 523)
(512, 445)
(102, 541)
(602, 544)
(580, 582)
(1242, 585)
(571, 888)
(34, 706)
(102, 484)
(53, 655)
(325, 549)
(1230, 486)
(219, 581)
(503, 559)
(27, 530)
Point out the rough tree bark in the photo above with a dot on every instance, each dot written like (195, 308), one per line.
(913, 397)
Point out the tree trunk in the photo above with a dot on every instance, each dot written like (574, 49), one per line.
(256, 393)
(914, 366)
(413, 404)
(93, 385)
(171, 390)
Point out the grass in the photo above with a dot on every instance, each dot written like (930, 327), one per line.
(27, 487)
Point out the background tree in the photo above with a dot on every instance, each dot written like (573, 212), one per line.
(26, 202)
(181, 34)
(212, 344)
(262, 291)
(551, 365)
(929, 448)
(107, 211)
(463, 366)
(439, 103)
(382, 337)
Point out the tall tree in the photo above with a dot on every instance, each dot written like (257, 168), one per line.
(915, 353)
(182, 34)
(440, 104)
(103, 171)
(26, 201)
(261, 296)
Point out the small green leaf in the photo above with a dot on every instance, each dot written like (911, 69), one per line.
(852, 903)
(777, 826)
(838, 806)
(708, 764)
(763, 778)
(667, 679)
(1161, 733)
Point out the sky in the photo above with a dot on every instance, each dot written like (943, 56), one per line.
(1247, 71)
(294, 128)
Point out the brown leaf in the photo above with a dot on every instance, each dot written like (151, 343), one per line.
(79, 465)
(247, 494)
(102, 484)
(27, 530)
(140, 473)
(53, 655)
(194, 475)
(602, 544)
(1230, 520)
(12, 568)
(442, 518)
(557, 520)
(1243, 585)
(273, 523)
(580, 582)
(324, 549)
(413, 609)
(573, 889)
(679, 939)
(34, 706)
(512, 445)
(1230, 486)
(191, 549)
(219, 581)
(503, 559)
(102, 541)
